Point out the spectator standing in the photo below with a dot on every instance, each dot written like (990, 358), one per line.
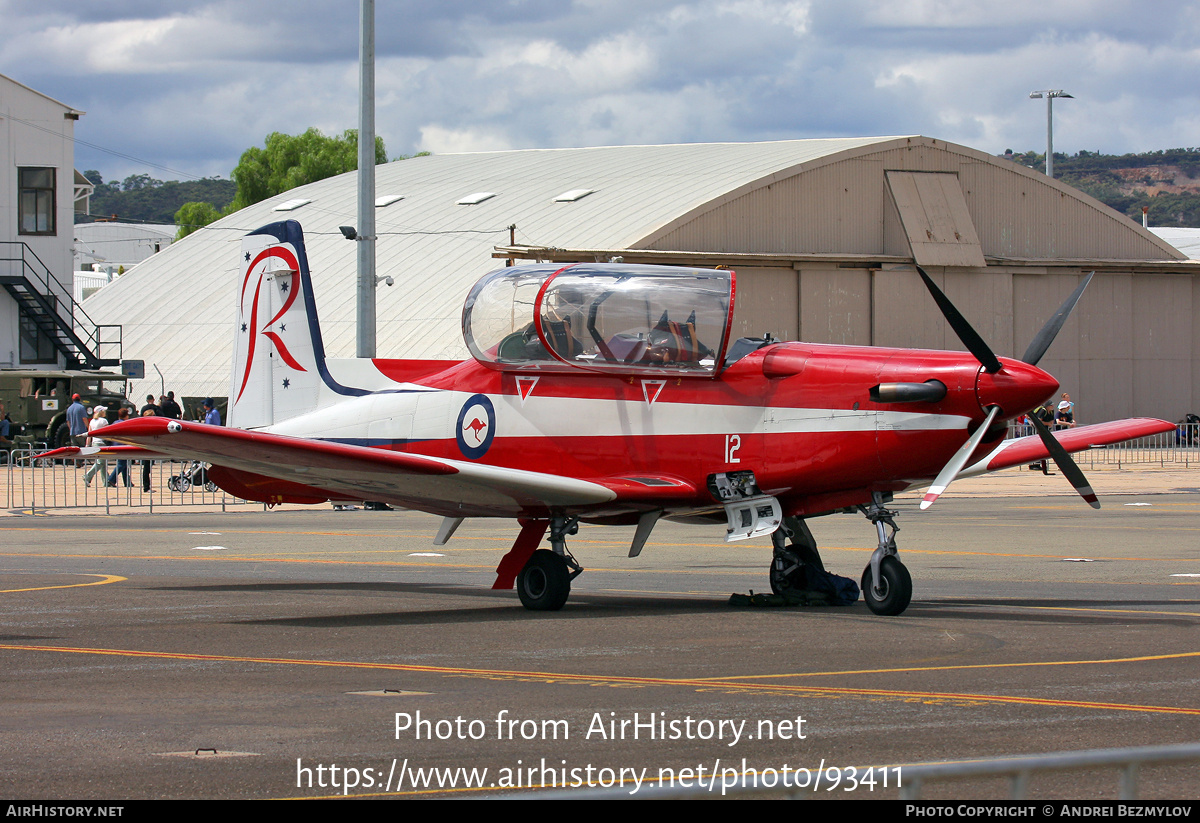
(149, 410)
(169, 408)
(77, 421)
(155, 410)
(99, 421)
(211, 416)
(122, 467)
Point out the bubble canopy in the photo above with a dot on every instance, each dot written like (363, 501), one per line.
(606, 317)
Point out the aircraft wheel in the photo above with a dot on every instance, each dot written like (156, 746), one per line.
(545, 582)
(895, 586)
(781, 581)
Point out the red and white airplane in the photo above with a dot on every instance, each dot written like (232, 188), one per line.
(612, 393)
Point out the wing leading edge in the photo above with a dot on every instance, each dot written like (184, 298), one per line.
(447, 487)
(1022, 450)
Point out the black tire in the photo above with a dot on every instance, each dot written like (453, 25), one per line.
(896, 585)
(779, 581)
(61, 436)
(782, 581)
(545, 582)
(210, 486)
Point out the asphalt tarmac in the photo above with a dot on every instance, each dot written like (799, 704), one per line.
(319, 653)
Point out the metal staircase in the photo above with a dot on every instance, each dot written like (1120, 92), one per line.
(52, 308)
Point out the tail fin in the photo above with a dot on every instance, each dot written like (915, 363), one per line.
(278, 356)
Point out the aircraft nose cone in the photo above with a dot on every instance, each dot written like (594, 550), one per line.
(1016, 388)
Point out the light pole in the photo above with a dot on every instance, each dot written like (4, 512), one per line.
(1049, 94)
(365, 343)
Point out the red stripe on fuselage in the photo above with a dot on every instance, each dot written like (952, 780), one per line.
(793, 463)
(833, 377)
(822, 377)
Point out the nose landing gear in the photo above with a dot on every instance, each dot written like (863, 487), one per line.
(886, 583)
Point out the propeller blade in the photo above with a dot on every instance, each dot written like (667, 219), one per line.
(969, 337)
(1065, 463)
(1049, 331)
(950, 470)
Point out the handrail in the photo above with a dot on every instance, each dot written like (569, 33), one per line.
(83, 331)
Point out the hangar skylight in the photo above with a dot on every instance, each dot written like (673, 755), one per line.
(573, 195)
(473, 199)
(292, 205)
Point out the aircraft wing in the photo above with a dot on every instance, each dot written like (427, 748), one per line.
(313, 469)
(94, 452)
(1023, 450)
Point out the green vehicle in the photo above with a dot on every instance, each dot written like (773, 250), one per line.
(36, 401)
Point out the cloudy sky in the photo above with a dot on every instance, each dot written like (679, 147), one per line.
(189, 86)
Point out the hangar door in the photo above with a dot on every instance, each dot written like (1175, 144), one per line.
(934, 215)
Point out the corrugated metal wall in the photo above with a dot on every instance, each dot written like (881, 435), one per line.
(839, 207)
(1131, 348)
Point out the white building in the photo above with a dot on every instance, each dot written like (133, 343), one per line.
(1187, 240)
(40, 323)
(103, 245)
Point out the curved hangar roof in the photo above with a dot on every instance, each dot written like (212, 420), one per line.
(439, 217)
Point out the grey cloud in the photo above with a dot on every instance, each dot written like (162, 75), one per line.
(548, 73)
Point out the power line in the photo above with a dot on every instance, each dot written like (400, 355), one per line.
(113, 152)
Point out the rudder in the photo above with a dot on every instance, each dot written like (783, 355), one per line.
(279, 358)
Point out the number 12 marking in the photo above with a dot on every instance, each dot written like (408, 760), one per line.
(733, 442)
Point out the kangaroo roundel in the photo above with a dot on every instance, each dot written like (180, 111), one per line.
(476, 426)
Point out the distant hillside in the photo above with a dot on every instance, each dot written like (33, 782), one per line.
(1168, 181)
(141, 198)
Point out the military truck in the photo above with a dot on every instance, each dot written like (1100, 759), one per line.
(36, 401)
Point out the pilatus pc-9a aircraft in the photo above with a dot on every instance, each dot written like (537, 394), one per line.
(612, 393)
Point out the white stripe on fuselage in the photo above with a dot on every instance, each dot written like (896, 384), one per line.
(426, 414)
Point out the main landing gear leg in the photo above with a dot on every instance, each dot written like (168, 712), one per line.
(544, 582)
(886, 583)
(788, 558)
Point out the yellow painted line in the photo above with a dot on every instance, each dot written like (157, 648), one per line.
(964, 667)
(251, 559)
(559, 677)
(1101, 611)
(648, 591)
(388, 533)
(107, 578)
(1040, 556)
(207, 557)
(423, 792)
